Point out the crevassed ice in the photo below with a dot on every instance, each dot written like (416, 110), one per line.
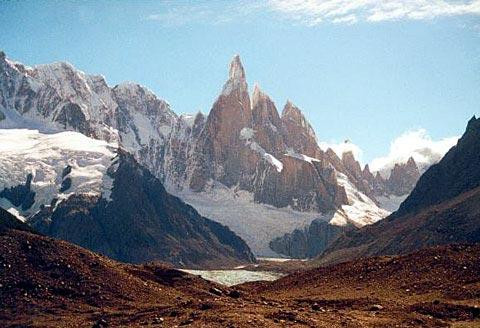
(24, 151)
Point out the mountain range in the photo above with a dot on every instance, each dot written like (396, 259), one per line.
(245, 165)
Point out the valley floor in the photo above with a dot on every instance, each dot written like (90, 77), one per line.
(50, 283)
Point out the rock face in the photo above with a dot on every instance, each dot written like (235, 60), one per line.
(309, 242)
(401, 181)
(246, 144)
(403, 178)
(221, 149)
(243, 143)
(144, 124)
(443, 208)
(387, 192)
(141, 223)
(298, 133)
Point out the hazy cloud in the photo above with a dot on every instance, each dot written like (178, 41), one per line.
(311, 12)
(213, 13)
(314, 12)
(417, 144)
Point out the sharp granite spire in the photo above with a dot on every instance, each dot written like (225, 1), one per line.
(236, 77)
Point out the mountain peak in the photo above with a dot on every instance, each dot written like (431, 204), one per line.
(258, 95)
(348, 155)
(236, 68)
(411, 163)
(366, 168)
(257, 92)
(473, 124)
(293, 114)
(291, 111)
(236, 77)
(351, 164)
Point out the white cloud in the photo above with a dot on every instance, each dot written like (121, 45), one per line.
(349, 19)
(178, 14)
(314, 12)
(311, 12)
(414, 143)
(417, 144)
(343, 147)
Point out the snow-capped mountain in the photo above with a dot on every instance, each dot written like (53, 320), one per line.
(56, 97)
(244, 146)
(91, 193)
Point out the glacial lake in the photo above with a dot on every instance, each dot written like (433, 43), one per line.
(235, 277)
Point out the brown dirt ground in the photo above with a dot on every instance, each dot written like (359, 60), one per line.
(49, 283)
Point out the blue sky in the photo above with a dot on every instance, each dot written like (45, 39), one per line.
(364, 70)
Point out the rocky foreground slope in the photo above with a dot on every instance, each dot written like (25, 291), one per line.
(51, 283)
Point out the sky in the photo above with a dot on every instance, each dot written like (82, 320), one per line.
(389, 76)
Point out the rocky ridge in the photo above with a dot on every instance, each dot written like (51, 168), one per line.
(441, 209)
(315, 238)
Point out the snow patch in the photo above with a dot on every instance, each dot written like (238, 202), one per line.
(247, 134)
(302, 157)
(188, 119)
(275, 162)
(361, 210)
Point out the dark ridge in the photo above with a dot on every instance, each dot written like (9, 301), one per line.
(20, 195)
(9, 221)
(141, 222)
(456, 173)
